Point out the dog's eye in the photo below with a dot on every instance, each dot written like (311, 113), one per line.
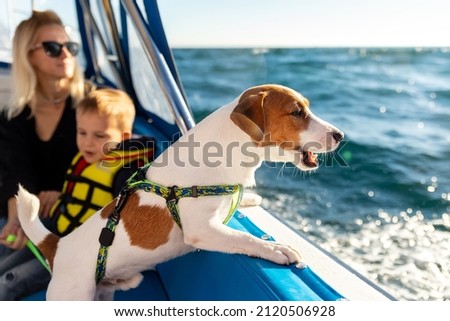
(298, 113)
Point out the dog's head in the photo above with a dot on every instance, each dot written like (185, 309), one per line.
(279, 118)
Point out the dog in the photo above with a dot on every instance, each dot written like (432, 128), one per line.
(265, 123)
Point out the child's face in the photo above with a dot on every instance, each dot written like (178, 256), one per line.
(96, 135)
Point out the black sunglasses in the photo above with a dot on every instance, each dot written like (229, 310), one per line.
(54, 49)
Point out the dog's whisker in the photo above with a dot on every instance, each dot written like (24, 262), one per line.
(281, 171)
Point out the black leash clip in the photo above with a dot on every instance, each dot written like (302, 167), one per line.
(106, 237)
(172, 194)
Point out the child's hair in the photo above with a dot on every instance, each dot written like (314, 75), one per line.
(110, 102)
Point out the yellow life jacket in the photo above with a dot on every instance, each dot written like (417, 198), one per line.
(89, 187)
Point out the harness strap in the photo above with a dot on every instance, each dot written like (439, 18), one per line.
(107, 235)
(107, 231)
(171, 194)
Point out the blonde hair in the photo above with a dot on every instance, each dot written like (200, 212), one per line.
(110, 103)
(24, 80)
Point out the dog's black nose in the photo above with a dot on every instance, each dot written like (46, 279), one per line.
(338, 136)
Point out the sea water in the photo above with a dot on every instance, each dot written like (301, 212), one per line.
(381, 202)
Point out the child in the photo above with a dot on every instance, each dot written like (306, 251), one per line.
(100, 169)
(107, 156)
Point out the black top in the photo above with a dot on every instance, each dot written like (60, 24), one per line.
(26, 159)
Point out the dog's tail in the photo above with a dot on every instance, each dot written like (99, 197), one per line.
(28, 210)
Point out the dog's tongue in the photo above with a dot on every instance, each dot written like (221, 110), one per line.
(310, 159)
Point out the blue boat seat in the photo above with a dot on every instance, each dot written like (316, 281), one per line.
(204, 276)
(150, 289)
(214, 276)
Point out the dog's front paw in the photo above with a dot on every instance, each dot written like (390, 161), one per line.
(284, 254)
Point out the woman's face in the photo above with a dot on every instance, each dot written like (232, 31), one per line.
(59, 67)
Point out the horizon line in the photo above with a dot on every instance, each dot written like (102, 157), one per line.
(311, 47)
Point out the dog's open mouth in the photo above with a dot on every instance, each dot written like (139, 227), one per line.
(310, 159)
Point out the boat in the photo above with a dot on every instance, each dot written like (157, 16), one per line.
(124, 46)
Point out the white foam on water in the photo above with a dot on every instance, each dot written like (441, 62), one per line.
(404, 253)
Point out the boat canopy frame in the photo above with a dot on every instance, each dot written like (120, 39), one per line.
(145, 19)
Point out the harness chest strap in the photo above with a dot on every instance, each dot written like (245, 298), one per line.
(171, 195)
(107, 235)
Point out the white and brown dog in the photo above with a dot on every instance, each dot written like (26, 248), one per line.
(267, 122)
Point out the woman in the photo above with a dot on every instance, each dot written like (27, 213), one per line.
(107, 156)
(37, 128)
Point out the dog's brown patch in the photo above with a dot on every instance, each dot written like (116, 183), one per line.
(48, 248)
(249, 115)
(282, 126)
(107, 210)
(147, 226)
(272, 115)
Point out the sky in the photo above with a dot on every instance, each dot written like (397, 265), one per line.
(306, 23)
(297, 23)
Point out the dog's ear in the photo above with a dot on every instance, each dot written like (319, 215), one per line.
(248, 115)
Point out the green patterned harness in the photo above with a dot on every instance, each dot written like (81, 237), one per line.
(171, 194)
